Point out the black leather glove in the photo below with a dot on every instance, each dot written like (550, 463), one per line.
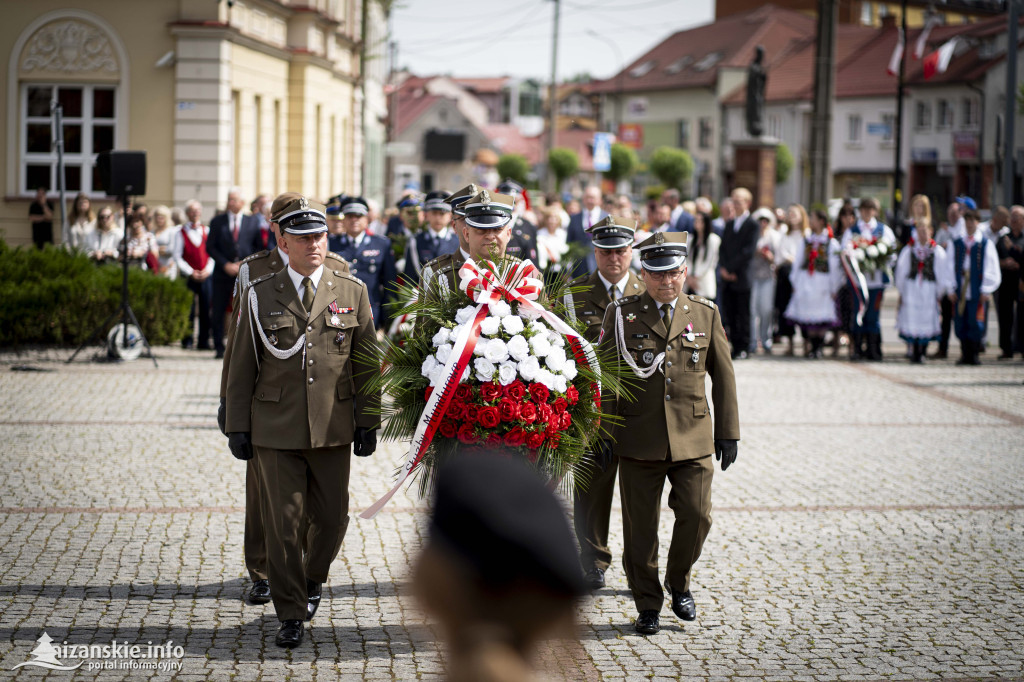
(222, 416)
(240, 445)
(603, 455)
(725, 450)
(365, 443)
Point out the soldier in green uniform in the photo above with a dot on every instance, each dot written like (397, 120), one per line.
(613, 250)
(296, 397)
(255, 268)
(670, 341)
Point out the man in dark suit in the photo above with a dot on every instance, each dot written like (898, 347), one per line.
(739, 241)
(255, 233)
(579, 223)
(223, 247)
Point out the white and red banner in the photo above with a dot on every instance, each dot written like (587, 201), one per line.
(897, 54)
(937, 62)
(922, 39)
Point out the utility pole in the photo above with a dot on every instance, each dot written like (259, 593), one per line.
(821, 117)
(552, 101)
(897, 173)
(1010, 115)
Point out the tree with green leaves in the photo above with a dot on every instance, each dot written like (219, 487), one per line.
(624, 162)
(514, 166)
(673, 167)
(563, 163)
(783, 163)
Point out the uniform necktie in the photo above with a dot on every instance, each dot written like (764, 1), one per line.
(666, 314)
(613, 292)
(307, 293)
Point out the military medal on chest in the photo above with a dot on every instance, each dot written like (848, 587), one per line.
(648, 357)
(339, 338)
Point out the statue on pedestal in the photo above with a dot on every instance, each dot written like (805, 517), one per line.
(756, 78)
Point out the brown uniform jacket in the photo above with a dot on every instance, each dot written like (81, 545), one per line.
(256, 267)
(288, 406)
(589, 307)
(669, 416)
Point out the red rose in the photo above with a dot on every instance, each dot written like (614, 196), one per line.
(488, 416)
(466, 434)
(464, 392)
(515, 391)
(471, 413)
(447, 429)
(490, 391)
(534, 440)
(493, 438)
(456, 410)
(560, 405)
(528, 413)
(508, 410)
(426, 393)
(531, 456)
(572, 395)
(564, 420)
(515, 437)
(539, 393)
(544, 413)
(554, 439)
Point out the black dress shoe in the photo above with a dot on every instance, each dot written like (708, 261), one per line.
(290, 634)
(648, 622)
(313, 595)
(218, 354)
(683, 605)
(594, 579)
(259, 593)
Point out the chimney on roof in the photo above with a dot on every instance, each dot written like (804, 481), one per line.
(889, 21)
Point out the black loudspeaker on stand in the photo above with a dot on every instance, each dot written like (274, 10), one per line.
(122, 174)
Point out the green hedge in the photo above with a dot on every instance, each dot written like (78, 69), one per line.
(56, 297)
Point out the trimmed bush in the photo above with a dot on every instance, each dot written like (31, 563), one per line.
(56, 297)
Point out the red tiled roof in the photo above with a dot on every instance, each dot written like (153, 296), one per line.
(691, 58)
(410, 102)
(507, 139)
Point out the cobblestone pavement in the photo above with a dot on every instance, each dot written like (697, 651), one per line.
(872, 528)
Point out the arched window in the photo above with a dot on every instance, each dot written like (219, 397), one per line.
(72, 58)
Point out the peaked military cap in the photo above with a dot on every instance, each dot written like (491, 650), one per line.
(663, 251)
(437, 201)
(300, 216)
(613, 232)
(355, 206)
(460, 197)
(411, 201)
(489, 210)
(510, 187)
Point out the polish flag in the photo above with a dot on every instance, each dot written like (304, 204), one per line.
(897, 55)
(938, 61)
(922, 39)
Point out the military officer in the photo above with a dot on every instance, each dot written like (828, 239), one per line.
(523, 243)
(613, 249)
(670, 342)
(256, 267)
(437, 239)
(296, 398)
(336, 237)
(369, 256)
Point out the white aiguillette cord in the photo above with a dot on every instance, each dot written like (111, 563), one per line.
(620, 342)
(273, 350)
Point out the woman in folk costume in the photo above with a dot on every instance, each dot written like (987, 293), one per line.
(922, 278)
(817, 278)
(973, 269)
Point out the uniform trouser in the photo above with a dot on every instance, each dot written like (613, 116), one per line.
(295, 483)
(1006, 305)
(255, 538)
(223, 290)
(871, 322)
(946, 310)
(201, 309)
(592, 510)
(737, 316)
(640, 486)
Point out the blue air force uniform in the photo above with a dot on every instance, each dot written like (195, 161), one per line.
(370, 259)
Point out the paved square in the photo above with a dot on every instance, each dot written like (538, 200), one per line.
(872, 528)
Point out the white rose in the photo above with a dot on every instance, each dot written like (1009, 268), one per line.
(859, 253)
(528, 368)
(465, 315)
(555, 360)
(512, 324)
(481, 345)
(883, 248)
(546, 377)
(436, 377)
(518, 347)
(556, 339)
(872, 251)
(496, 351)
(537, 326)
(560, 383)
(441, 337)
(490, 326)
(569, 371)
(500, 309)
(444, 352)
(529, 314)
(429, 365)
(484, 369)
(506, 373)
(540, 345)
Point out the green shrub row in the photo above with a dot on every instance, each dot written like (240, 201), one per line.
(56, 297)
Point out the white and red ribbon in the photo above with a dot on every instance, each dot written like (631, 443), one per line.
(484, 285)
(857, 281)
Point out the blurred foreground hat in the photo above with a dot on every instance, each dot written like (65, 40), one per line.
(460, 196)
(967, 202)
(355, 206)
(496, 515)
(488, 210)
(437, 201)
(300, 216)
(410, 201)
(663, 251)
(613, 232)
(510, 187)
